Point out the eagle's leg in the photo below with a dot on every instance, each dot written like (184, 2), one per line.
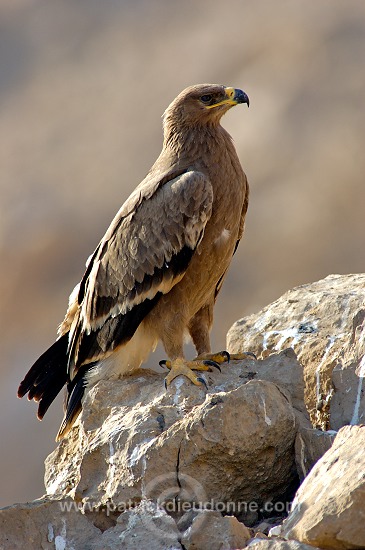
(199, 329)
(173, 341)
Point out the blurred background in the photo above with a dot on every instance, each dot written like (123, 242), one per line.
(83, 85)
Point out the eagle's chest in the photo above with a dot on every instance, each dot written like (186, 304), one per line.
(213, 255)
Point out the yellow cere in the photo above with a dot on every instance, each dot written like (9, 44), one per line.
(230, 92)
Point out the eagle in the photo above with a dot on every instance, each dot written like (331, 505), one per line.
(156, 273)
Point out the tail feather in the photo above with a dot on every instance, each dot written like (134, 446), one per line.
(75, 390)
(47, 376)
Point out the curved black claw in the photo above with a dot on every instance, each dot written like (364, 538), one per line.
(202, 381)
(165, 383)
(210, 363)
(226, 355)
(162, 363)
(251, 353)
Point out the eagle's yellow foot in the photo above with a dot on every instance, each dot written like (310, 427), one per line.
(219, 357)
(243, 355)
(225, 357)
(183, 367)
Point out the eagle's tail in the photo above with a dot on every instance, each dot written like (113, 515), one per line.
(75, 392)
(47, 376)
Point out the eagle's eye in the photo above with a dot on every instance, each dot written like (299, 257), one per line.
(206, 98)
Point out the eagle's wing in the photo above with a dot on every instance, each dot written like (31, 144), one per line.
(144, 253)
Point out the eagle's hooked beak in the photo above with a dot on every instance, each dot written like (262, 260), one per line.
(235, 96)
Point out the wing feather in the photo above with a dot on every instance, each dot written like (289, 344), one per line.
(144, 253)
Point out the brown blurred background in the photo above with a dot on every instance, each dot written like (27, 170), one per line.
(83, 84)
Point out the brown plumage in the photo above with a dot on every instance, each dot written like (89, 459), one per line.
(156, 273)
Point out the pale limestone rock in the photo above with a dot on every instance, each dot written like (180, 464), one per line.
(324, 323)
(284, 370)
(310, 445)
(44, 524)
(60, 525)
(233, 445)
(348, 402)
(145, 526)
(138, 445)
(329, 507)
(279, 545)
(211, 531)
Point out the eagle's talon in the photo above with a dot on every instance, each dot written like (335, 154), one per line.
(181, 366)
(214, 364)
(219, 357)
(202, 381)
(227, 356)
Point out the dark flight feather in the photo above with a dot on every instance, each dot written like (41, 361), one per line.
(47, 376)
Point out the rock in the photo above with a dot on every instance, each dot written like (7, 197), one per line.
(141, 458)
(310, 445)
(60, 524)
(348, 402)
(211, 531)
(324, 323)
(279, 545)
(329, 507)
(263, 528)
(276, 531)
(43, 524)
(227, 447)
(284, 370)
(145, 526)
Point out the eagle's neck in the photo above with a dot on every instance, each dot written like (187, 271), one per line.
(197, 141)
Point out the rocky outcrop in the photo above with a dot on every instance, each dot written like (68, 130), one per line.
(60, 525)
(172, 466)
(231, 444)
(279, 545)
(324, 323)
(329, 508)
(194, 467)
